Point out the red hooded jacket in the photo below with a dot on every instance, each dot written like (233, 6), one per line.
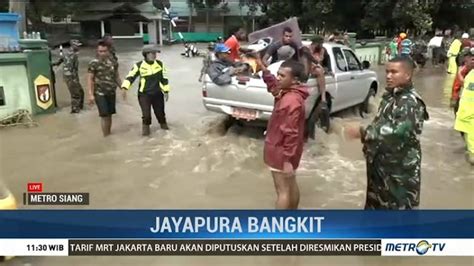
(285, 131)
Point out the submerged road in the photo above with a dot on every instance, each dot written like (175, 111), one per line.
(199, 165)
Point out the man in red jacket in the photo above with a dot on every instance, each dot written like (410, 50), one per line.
(285, 130)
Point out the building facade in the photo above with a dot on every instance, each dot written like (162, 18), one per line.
(145, 22)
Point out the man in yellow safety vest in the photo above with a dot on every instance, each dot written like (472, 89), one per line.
(153, 87)
(465, 115)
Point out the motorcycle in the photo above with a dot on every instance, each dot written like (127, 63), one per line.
(419, 54)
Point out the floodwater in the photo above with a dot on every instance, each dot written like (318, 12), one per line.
(197, 164)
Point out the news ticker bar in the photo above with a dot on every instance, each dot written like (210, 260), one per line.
(135, 247)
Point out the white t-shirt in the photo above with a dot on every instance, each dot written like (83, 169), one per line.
(436, 41)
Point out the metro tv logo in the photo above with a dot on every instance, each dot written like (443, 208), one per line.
(421, 248)
(34, 187)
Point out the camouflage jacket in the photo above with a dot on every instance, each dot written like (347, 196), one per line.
(392, 137)
(70, 64)
(105, 75)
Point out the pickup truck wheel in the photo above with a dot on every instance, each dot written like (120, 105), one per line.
(364, 106)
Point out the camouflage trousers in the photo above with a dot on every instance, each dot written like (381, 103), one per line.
(387, 190)
(77, 93)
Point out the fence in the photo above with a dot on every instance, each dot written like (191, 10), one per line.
(372, 50)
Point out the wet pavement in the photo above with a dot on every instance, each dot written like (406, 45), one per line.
(199, 165)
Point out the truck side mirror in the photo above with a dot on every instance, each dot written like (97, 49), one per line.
(365, 64)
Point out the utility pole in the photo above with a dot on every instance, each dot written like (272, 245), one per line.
(19, 7)
(190, 19)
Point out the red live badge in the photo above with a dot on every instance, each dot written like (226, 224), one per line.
(35, 187)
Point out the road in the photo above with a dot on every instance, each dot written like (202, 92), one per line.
(199, 165)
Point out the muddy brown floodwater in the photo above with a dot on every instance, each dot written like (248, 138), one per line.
(199, 165)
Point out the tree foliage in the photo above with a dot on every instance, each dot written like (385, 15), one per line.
(365, 15)
(4, 6)
(351, 15)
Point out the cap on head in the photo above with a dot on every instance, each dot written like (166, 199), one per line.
(403, 35)
(221, 48)
(150, 48)
(465, 35)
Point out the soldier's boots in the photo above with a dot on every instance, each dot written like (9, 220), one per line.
(145, 130)
(164, 126)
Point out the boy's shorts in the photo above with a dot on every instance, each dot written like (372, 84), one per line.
(105, 104)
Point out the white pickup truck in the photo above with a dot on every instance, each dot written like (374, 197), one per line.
(348, 84)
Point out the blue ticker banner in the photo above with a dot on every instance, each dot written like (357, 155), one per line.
(235, 224)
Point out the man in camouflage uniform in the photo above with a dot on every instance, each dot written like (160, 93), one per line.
(103, 80)
(70, 63)
(391, 142)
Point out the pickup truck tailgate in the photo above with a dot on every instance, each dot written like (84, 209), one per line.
(251, 94)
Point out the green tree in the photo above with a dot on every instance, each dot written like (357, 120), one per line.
(370, 15)
(4, 6)
(318, 14)
(36, 9)
(448, 14)
(253, 7)
(377, 15)
(412, 14)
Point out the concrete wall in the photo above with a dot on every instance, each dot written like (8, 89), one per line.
(129, 44)
(213, 27)
(14, 80)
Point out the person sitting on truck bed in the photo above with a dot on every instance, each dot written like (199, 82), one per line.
(317, 62)
(285, 52)
(272, 51)
(222, 70)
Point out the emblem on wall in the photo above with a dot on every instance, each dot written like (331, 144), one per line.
(43, 92)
